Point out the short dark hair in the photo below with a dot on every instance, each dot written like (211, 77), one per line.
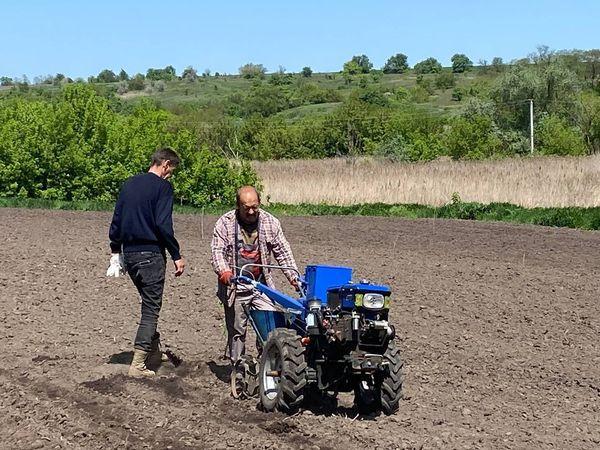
(165, 154)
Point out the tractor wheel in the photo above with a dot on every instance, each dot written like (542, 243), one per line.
(391, 382)
(381, 391)
(250, 377)
(367, 396)
(282, 374)
(244, 378)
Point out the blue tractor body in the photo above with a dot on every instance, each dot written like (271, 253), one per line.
(331, 285)
(337, 338)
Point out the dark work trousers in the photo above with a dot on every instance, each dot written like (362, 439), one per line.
(147, 271)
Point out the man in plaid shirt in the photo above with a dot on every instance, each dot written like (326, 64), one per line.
(247, 235)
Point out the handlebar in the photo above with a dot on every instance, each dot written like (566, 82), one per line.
(243, 279)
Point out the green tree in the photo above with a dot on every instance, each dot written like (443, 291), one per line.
(461, 63)
(251, 70)
(555, 136)
(351, 68)
(6, 81)
(166, 74)
(358, 64)
(591, 59)
(472, 138)
(207, 178)
(588, 120)
(170, 70)
(396, 64)
(75, 147)
(429, 65)
(123, 75)
(189, 74)
(106, 76)
(306, 72)
(553, 88)
(497, 64)
(266, 100)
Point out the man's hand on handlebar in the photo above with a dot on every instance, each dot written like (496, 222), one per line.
(225, 277)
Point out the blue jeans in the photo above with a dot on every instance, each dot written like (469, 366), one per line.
(147, 271)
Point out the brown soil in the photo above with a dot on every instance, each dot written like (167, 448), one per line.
(498, 325)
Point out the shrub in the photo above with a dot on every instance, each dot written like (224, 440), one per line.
(430, 65)
(472, 138)
(401, 148)
(418, 94)
(251, 70)
(78, 148)
(122, 88)
(136, 83)
(445, 80)
(555, 137)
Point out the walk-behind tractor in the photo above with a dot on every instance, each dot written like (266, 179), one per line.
(334, 338)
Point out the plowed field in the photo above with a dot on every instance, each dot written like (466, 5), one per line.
(498, 325)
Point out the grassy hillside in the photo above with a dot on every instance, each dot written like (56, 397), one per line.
(181, 96)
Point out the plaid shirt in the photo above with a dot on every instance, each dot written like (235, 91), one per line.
(270, 240)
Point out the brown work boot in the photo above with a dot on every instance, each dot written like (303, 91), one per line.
(156, 357)
(138, 365)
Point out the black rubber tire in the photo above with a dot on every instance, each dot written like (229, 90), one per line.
(391, 383)
(384, 391)
(250, 377)
(367, 396)
(286, 392)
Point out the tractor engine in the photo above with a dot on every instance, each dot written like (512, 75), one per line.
(335, 338)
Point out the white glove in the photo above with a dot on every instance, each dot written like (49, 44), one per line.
(116, 265)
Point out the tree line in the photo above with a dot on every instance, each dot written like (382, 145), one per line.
(80, 147)
(82, 140)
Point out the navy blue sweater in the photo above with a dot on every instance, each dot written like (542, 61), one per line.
(143, 217)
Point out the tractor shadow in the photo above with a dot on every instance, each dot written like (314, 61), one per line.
(316, 405)
(342, 406)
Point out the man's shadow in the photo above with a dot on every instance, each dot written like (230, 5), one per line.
(222, 372)
(121, 358)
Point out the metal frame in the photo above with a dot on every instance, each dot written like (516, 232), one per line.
(273, 266)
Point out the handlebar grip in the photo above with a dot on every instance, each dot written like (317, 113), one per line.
(241, 279)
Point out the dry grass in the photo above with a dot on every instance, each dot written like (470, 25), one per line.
(528, 182)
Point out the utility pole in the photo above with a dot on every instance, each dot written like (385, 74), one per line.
(531, 123)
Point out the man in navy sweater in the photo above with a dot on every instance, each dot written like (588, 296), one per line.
(140, 232)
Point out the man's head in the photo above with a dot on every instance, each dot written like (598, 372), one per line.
(164, 162)
(248, 204)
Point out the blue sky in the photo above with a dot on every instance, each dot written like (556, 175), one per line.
(80, 38)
